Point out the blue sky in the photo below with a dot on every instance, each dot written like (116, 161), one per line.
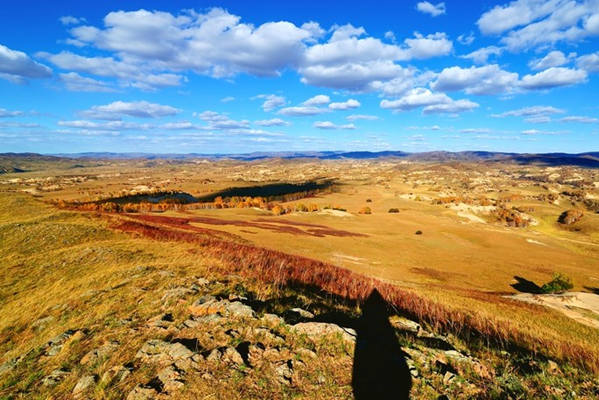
(236, 76)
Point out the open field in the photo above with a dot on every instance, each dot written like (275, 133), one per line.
(465, 237)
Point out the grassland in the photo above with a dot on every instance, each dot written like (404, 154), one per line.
(96, 270)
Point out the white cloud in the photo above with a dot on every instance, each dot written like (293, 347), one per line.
(77, 83)
(357, 117)
(538, 119)
(432, 102)
(180, 125)
(530, 112)
(218, 121)
(139, 109)
(331, 125)
(4, 113)
(580, 119)
(227, 99)
(317, 100)
(130, 73)
(552, 59)
(70, 20)
(422, 47)
(487, 80)
(539, 132)
(271, 102)
(533, 23)
(17, 66)
(433, 10)
(553, 77)
(466, 40)
(481, 55)
(302, 111)
(272, 122)
(475, 130)
(104, 126)
(346, 105)
(589, 62)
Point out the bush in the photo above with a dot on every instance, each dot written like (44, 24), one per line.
(559, 284)
(418, 232)
(393, 210)
(365, 210)
(369, 200)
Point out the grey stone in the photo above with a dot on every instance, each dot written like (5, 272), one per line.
(142, 393)
(100, 353)
(55, 377)
(238, 309)
(317, 329)
(84, 384)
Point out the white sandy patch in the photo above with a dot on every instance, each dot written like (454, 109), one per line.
(568, 303)
(535, 242)
(351, 259)
(335, 213)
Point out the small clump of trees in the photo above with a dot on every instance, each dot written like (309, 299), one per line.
(393, 210)
(560, 283)
(365, 210)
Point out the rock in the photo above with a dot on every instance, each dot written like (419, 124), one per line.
(100, 353)
(284, 372)
(54, 346)
(142, 393)
(115, 374)
(239, 310)
(162, 352)
(8, 366)
(206, 305)
(84, 385)
(232, 355)
(171, 378)
(297, 314)
(194, 322)
(456, 355)
(405, 324)
(41, 323)
(448, 377)
(306, 353)
(273, 319)
(317, 329)
(55, 377)
(202, 282)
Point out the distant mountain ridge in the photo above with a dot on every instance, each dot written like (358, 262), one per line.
(587, 159)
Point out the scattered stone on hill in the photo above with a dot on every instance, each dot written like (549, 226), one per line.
(84, 385)
(175, 294)
(284, 372)
(115, 374)
(162, 321)
(272, 319)
(41, 323)
(317, 329)
(55, 345)
(159, 351)
(100, 353)
(238, 309)
(8, 365)
(171, 378)
(296, 315)
(140, 392)
(405, 324)
(55, 377)
(570, 217)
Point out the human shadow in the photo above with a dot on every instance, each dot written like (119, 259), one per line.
(380, 369)
(525, 286)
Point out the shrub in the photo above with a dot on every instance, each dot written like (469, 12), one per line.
(369, 200)
(365, 210)
(394, 210)
(418, 232)
(559, 284)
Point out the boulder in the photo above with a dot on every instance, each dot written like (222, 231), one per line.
(318, 329)
(100, 353)
(84, 385)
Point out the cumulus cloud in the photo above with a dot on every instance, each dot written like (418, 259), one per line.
(466, 40)
(17, 66)
(272, 122)
(553, 59)
(77, 83)
(301, 111)
(553, 77)
(139, 109)
(532, 23)
(331, 125)
(346, 105)
(433, 10)
(317, 100)
(430, 101)
(227, 99)
(588, 62)
(481, 55)
(109, 125)
(539, 132)
(271, 101)
(487, 80)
